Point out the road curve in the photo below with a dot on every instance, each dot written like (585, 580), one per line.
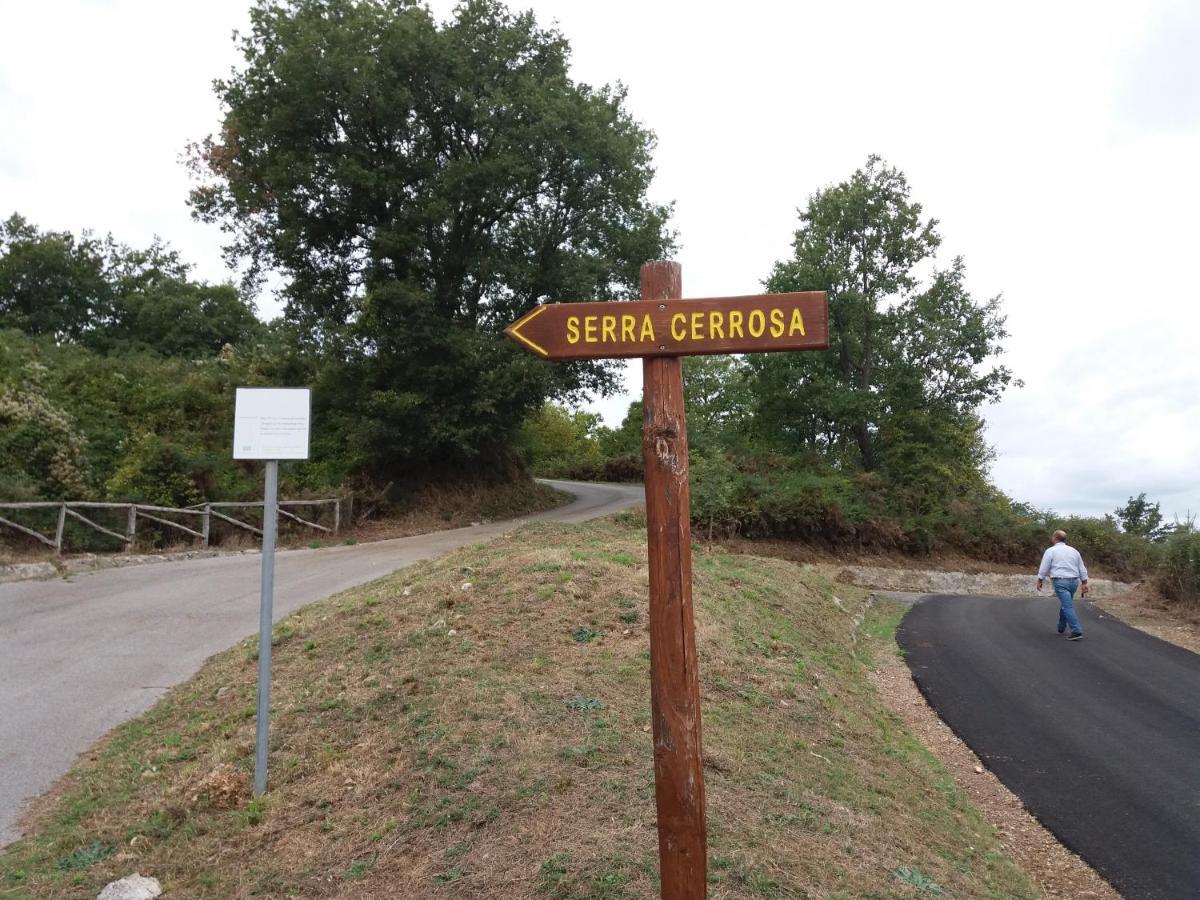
(1100, 738)
(79, 657)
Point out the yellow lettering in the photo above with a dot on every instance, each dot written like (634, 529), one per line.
(682, 320)
(609, 328)
(716, 324)
(627, 328)
(697, 326)
(572, 329)
(589, 329)
(647, 330)
(735, 323)
(777, 323)
(797, 323)
(756, 315)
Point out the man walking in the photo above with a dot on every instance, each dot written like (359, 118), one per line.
(1065, 568)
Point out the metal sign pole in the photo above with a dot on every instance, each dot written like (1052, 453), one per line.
(270, 520)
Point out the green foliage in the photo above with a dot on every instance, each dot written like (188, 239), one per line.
(77, 425)
(422, 185)
(625, 440)
(50, 284)
(714, 484)
(1102, 543)
(899, 347)
(155, 470)
(717, 400)
(1139, 517)
(112, 298)
(43, 452)
(85, 857)
(1179, 572)
(919, 880)
(556, 443)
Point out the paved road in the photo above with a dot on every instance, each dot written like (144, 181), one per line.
(1100, 738)
(79, 657)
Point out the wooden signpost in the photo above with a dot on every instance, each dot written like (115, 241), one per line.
(661, 328)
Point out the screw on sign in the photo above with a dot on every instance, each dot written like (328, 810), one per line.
(660, 328)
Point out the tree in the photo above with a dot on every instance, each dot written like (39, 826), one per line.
(715, 400)
(626, 438)
(421, 185)
(51, 284)
(554, 437)
(898, 346)
(1138, 516)
(112, 298)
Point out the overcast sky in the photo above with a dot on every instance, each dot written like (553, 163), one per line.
(1058, 143)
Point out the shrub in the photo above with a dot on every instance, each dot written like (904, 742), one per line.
(714, 485)
(42, 451)
(1102, 543)
(1178, 574)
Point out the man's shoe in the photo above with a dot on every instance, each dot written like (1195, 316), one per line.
(1063, 629)
(1076, 637)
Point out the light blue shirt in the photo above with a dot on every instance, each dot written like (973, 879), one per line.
(1062, 561)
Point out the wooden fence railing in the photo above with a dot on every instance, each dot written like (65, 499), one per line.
(204, 513)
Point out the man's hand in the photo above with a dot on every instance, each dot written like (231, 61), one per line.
(1084, 590)
(1039, 585)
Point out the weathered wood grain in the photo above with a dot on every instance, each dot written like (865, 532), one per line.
(674, 682)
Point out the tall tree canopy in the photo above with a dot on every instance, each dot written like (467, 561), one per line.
(907, 354)
(1141, 517)
(112, 298)
(420, 185)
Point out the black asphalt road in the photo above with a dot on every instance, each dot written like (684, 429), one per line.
(1100, 737)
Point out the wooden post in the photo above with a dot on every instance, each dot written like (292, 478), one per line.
(58, 532)
(337, 515)
(674, 682)
(131, 527)
(205, 525)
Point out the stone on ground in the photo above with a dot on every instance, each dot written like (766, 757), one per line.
(131, 887)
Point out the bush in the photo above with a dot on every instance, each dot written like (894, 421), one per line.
(714, 484)
(42, 450)
(1102, 543)
(1178, 574)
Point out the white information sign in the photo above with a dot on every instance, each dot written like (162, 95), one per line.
(271, 423)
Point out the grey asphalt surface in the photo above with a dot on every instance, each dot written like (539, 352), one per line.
(79, 657)
(1100, 738)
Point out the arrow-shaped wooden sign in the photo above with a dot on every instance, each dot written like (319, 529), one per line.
(589, 330)
(660, 327)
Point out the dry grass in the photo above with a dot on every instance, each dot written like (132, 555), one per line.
(479, 727)
(443, 506)
(797, 551)
(1146, 609)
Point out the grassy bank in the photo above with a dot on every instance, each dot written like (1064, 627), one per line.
(479, 727)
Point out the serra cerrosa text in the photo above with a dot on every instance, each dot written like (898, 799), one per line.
(695, 325)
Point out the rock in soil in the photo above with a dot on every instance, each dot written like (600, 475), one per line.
(131, 887)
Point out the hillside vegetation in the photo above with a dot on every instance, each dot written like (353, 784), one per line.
(479, 727)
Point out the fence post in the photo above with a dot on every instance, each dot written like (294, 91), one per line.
(131, 527)
(204, 525)
(62, 524)
(337, 515)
